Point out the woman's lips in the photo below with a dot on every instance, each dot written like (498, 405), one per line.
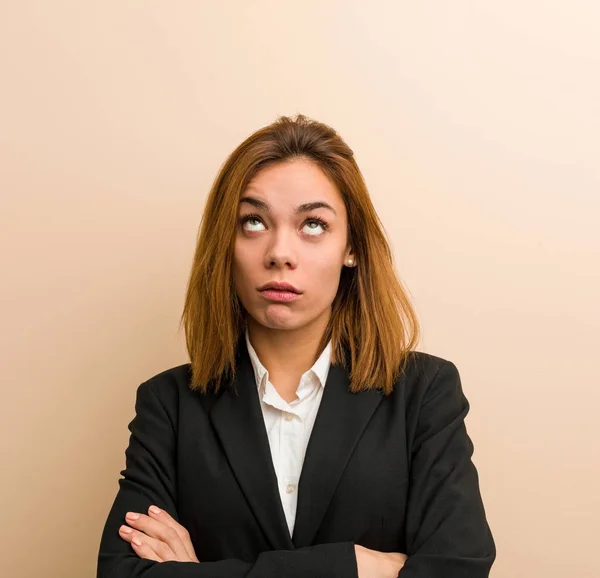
(276, 295)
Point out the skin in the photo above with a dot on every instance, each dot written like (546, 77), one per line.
(157, 536)
(279, 244)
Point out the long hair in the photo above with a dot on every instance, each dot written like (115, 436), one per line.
(373, 326)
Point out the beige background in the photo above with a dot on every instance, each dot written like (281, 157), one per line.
(477, 127)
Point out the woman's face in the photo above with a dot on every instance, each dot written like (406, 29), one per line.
(279, 240)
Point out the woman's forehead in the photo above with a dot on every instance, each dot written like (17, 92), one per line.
(292, 187)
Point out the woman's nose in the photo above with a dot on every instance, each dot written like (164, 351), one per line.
(281, 252)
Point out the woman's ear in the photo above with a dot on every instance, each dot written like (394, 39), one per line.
(349, 259)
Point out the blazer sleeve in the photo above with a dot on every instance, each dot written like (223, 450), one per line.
(150, 478)
(446, 528)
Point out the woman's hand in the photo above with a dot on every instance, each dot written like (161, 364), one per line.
(158, 537)
(375, 564)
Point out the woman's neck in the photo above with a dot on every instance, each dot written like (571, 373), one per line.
(286, 354)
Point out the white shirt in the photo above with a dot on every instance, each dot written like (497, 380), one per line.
(289, 425)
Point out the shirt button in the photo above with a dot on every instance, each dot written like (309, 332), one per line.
(289, 417)
(290, 488)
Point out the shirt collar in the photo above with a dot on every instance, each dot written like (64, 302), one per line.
(320, 367)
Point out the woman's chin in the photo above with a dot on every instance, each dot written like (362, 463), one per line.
(279, 316)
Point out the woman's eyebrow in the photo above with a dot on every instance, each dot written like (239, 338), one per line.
(300, 209)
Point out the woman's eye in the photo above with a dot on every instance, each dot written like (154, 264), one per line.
(315, 230)
(311, 225)
(246, 220)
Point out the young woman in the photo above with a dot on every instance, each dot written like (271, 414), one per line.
(307, 437)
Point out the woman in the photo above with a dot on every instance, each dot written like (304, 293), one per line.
(307, 437)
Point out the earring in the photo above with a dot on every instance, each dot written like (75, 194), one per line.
(350, 261)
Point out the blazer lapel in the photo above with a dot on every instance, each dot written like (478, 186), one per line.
(341, 419)
(238, 421)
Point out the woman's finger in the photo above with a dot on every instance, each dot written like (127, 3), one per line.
(161, 532)
(164, 517)
(144, 550)
(145, 546)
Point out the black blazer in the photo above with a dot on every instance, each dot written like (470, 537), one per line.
(392, 473)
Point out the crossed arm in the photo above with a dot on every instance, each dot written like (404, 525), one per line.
(447, 532)
(157, 536)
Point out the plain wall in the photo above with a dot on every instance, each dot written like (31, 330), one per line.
(476, 125)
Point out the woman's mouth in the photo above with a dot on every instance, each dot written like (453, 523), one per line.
(278, 295)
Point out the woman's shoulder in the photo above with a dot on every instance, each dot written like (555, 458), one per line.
(419, 371)
(178, 374)
(167, 385)
(421, 364)
(424, 374)
(432, 382)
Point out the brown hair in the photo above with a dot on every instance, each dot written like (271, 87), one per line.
(373, 326)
